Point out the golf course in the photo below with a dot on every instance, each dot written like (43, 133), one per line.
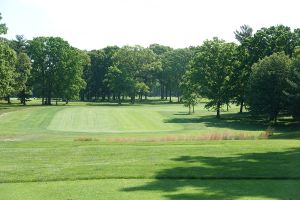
(153, 150)
(149, 100)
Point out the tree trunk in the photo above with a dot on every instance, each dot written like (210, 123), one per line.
(242, 106)
(162, 91)
(189, 109)
(23, 97)
(8, 99)
(119, 98)
(166, 92)
(193, 108)
(49, 98)
(82, 97)
(170, 94)
(227, 104)
(132, 99)
(218, 110)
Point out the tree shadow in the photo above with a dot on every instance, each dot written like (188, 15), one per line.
(287, 127)
(128, 103)
(270, 175)
(231, 120)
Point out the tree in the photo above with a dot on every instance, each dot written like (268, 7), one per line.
(293, 91)
(244, 33)
(7, 62)
(267, 84)
(159, 49)
(116, 81)
(174, 65)
(132, 68)
(161, 75)
(7, 70)
(19, 44)
(274, 39)
(95, 73)
(212, 70)
(72, 75)
(95, 82)
(189, 92)
(56, 69)
(3, 28)
(243, 71)
(23, 72)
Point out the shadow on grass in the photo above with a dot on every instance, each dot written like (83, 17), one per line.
(287, 127)
(128, 103)
(233, 121)
(269, 175)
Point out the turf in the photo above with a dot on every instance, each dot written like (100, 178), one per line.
(100, 151)
(89, 160)
(109, 119)
(124, 189)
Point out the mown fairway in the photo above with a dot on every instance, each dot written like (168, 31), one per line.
(97, 151)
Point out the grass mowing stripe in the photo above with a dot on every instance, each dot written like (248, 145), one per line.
(99, 119)
(226, 159)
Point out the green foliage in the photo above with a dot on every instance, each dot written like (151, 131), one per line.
(19, 44)
(72, 75)
(267, 41)
(133, 71)
(267, 84)
(242, 72)
(159, 49)
(293, 91)
(212, 69)
(23, 74)
(3, 28)
(244, 33)
(7, 69)
(100, 61)
(57, 68)
(190, 97)
(175, 64)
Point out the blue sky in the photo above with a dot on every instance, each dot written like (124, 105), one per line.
(94, 24)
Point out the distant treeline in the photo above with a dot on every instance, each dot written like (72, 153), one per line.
(261, 72)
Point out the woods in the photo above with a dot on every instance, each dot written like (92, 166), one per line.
(260, 72)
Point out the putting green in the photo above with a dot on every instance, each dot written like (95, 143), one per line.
(109, 119)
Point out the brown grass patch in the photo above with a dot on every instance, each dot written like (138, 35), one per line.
(190, 138)
(85, 139)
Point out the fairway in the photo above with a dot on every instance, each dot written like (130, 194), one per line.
(109, 119)
(101, 151)
(146, 100)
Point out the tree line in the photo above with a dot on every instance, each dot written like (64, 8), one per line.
(260, 73)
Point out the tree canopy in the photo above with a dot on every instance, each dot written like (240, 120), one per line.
(260, 73)
(212, 70)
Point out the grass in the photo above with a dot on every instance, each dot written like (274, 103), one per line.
(153, 151)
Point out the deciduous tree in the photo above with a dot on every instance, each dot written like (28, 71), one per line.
(267, 84)
(212, 70)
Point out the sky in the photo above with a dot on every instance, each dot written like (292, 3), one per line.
(95, 24)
